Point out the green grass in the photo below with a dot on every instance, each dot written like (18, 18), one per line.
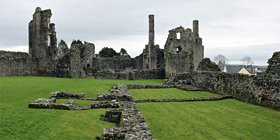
(224, 119)
(80, 103)
(17, 121)
(141, 94)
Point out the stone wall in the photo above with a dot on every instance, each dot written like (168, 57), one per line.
(130, 122)
(149, 53)
(273, 69)
(42, 41)
(65, 95)
(178, 63)
(15, 64)
(114, 63)
(180, 44)
(76, 63)
(62, 66)
(206, 65)
(144, 86)
(222, 97)
(134, 74)
(178, 56)
(262, 91)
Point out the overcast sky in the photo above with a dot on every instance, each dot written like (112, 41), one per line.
(233, 28)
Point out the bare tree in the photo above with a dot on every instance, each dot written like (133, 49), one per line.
(220, 59)
(247, 60)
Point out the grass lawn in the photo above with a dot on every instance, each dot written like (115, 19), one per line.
(223, 119)
(80, 103)
(141, 94)
(17, 121)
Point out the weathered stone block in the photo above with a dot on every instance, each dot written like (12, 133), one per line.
(65, 95)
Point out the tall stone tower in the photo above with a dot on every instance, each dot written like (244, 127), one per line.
(198, 48)
(150, 51)
(42, 42)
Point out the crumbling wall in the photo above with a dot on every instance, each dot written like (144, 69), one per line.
(130, 122)
(114, 63)
(263, 91)
(178, 63)
(160, 59)
(273, 69)
(138, 62)
(15, 64)
(206, 65)
(150, 51)
(42, 42)
(88, 54)
(180, 44)
(76, 64)
(62, 66)
(130, 74)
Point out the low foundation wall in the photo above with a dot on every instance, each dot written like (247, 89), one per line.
(130, 74)
(143, 86)
(65, 95)
(262, 91)
(185, 100)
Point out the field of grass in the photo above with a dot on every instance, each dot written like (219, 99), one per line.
(223, 119)
(17, 121)
(141, 94)
(80, 103)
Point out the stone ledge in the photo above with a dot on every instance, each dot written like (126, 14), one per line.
(146, 86)
(185, 100)
(65, 95)
(105, 104)
(128, 118)
(262, 90)
(51, 104)
(118, 93)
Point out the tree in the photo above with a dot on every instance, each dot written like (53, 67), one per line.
(123, 52)
(220, 59)
(247, 60)
(76, 42)
(62, 48)
(108, 52)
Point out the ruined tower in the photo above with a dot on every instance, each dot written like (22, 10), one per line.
(183, 50)
(42, 42)
(198, 48)
(150, 51)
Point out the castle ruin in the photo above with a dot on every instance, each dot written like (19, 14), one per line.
(179, 55)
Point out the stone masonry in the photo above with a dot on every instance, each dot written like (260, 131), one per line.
(273, 69)
(262, 91)
(183, 50)
(149, 53)
(128, 117)
(42, 41)
(15, 64)
(81, 61)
